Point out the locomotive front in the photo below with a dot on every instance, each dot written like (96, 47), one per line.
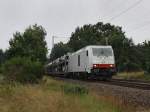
(103, 62)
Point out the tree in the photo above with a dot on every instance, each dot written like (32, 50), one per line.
(26, 55)
(145, 58)
(95, 35)
(59, 50)
(128, 56)
(22, 70)
(98, 34)
(31, 44)
(2, 57)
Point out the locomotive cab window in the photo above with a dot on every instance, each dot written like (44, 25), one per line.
(78, 60)
(102, 52)
(87, 53)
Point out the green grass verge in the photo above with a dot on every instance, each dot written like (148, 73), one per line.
(53, 96)
(134, 75)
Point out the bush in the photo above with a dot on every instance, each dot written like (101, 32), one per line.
(0, 69)
(74, 89)
(148, 66)
(22, 70)
(129, 67)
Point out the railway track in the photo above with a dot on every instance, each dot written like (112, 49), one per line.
(130, 83)
(144, 85)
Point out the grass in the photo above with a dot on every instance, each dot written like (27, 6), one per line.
(134, 75)
(54, 96)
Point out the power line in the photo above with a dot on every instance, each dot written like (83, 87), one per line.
(146, 24)
(126, 10)
(113, 9)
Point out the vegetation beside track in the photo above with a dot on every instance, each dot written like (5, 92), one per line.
(134, 75)
(54, 96)
(27, 52)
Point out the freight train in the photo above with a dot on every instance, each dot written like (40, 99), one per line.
(88, 62)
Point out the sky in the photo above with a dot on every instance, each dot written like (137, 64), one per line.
(61, 17)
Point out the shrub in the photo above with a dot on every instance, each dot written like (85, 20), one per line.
(22, 70)
(74, 89)
(148, 66)
(0, 69)
(6, 90)
(129, 67)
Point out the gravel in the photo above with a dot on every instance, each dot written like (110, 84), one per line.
(135, 97)
(131, 96)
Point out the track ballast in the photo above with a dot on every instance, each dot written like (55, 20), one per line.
(144, 85)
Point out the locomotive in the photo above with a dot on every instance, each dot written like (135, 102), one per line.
(89, 62)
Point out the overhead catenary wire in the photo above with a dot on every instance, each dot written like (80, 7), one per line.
(114, 8)
(142, 26)
(126, 10)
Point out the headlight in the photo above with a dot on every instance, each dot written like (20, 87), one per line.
(94, 65)
(111, 65)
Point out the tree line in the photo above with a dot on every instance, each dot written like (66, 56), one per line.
(129, 56)
(25, 58)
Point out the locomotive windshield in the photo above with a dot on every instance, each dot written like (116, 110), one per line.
(102, 51)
